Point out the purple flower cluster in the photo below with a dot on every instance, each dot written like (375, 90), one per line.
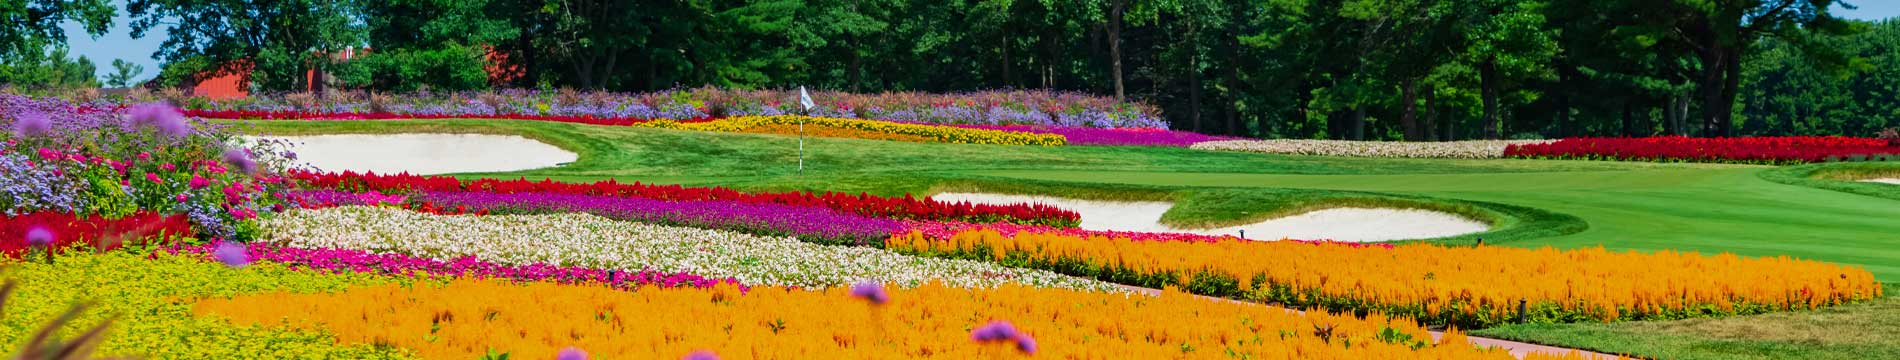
(819, 225)
(341, 261)
(1002, 331)
(26, 186)
(1041, 108)
(323, 198)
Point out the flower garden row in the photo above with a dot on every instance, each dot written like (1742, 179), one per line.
(1781, 150)
(1784, 150)
(75, 178)
(270, 309)
(1040, 108)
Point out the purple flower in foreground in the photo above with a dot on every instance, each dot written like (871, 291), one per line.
(999, 330)
(1025, 344)
(161, 117)
(701, 355)
(994, 331)
(571, 353)
(32, 124)
(240, 160)
(872, 292)
(39, 236)
(231, 254)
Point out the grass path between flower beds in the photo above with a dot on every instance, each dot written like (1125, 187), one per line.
(1624, 205)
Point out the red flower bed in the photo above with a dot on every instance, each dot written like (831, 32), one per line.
(68, 229)
(906, 207)
(1778, 150)
(311, 115)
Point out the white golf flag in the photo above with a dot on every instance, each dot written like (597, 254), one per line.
(804, 98)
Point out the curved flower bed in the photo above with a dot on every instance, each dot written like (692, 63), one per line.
(118, 162)
(936, 133)
(1047, 108)
(1465, 287)
(819, 225)
(465, 318)
(358, 261)
(1471, 149)
(874, 206)
(1767, 150)
(1110, 136)
(100, 232)
(591, 241)
(318, 115)
(814, 130)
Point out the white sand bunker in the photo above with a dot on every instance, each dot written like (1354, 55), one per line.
(425, 154)
(1894, 181)
(1340, 224)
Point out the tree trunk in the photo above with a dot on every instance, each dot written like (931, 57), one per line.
(1563, 113)
(1194, 76)
(1488, 79)
(1005, 45)
(1730, 87)
(1408, 117)
(1669, 115)
(1710, 84)
(1358, 122)
(1431, 113)
(852, 71)
(1232, 79)
(1115, 44)
(1629, 129)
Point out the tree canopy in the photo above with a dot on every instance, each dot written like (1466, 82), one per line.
(1418, 70)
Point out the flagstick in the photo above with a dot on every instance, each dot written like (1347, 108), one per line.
(801, 145)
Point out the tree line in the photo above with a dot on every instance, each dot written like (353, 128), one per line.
(1419, 70)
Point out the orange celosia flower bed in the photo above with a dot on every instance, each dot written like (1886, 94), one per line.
(465, 319)
(1469, 287)
(832, 132)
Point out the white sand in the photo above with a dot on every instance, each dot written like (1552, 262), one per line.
(1340, 224)
(425, 154)
(1895, 181)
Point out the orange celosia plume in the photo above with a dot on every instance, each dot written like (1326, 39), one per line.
(467, 318)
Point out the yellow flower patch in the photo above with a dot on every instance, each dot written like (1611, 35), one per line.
(934, 133)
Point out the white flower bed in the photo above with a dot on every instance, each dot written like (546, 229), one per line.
(597, 242)
(1473, 149)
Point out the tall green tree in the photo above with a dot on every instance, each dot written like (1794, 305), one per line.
(29, 27)
(122, 73)
(278, 42)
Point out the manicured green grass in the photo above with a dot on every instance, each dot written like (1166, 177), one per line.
(1707, 208)
(1842, 177)
(1869, 330)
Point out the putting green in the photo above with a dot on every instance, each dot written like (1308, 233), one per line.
(1705, 210)
(1641, 206)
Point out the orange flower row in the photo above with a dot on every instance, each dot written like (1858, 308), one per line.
(1464, 286)
(466, 319)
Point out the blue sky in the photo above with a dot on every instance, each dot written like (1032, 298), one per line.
(118, 43)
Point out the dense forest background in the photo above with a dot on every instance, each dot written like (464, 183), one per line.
(1417, 70)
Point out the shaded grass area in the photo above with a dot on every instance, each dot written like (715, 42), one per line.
(1842, 177)
(1869, 330)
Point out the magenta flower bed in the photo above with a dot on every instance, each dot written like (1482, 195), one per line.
(340, 261)
(1111, 137)
(944, 230)
(813, 224)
